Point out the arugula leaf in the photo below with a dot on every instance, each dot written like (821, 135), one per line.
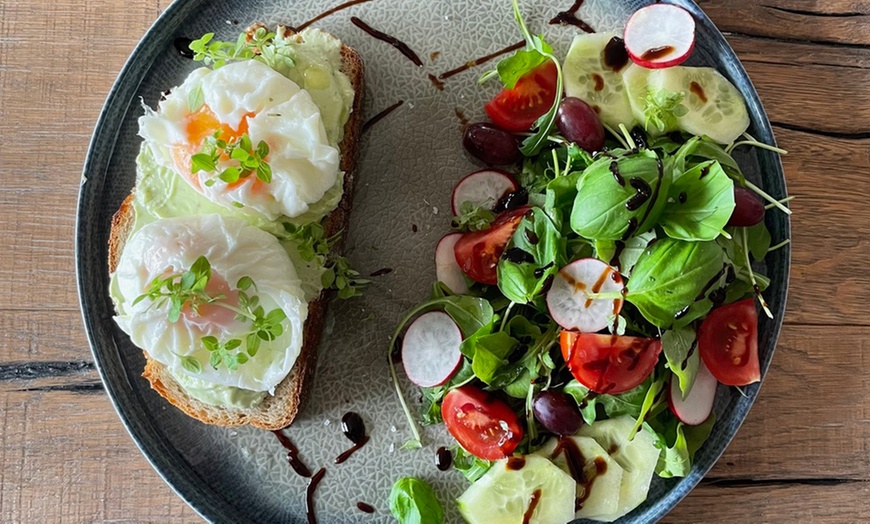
(413, 501)
(538, 237)
(699, 149)
(679, 443)
(606, 206)
(631, 251)
(700, 203)
(653, 398)
(470, 466)
(544, 125)
(679, 348)
(669, 276)
(628, 403)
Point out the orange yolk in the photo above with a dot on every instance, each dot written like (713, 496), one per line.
(200, 125)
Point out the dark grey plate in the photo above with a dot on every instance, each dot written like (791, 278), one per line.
(408, 164)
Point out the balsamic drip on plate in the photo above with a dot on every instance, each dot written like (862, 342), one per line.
(334, 10)
(309, 495)
(569, 17)
(354, 428)
(477, 61)
(380, 116)
(292, 454)
(365, 508)
(393, 41)
(443, 459)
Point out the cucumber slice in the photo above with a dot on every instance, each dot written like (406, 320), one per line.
(602, 499)
(588, 78)
(504, 495)
(638, 459)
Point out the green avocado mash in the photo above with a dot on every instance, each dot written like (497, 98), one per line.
(218, 395)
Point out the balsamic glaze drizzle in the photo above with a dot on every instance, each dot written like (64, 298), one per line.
(393, 41)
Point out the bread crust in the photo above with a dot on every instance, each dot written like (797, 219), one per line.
(278, 410)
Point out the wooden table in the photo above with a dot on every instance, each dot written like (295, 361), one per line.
(802, 455)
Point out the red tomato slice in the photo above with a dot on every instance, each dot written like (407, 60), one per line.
(484, 425)
(728, 343)
(609, 364)
(517, 109)
(477, 252)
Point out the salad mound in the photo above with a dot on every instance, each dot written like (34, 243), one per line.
(591, 300)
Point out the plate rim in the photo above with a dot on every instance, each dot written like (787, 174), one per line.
(164, 459)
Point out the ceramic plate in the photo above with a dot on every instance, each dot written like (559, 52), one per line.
(408, 164)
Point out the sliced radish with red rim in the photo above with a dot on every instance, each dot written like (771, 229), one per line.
(569, 302)
(430, 349)
(487, 186)
(446, 268)
(660, 35)
(698, 404)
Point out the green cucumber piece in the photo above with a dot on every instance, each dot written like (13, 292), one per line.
(588, 78)
(602, 499)
(503, 495)
(637, 457)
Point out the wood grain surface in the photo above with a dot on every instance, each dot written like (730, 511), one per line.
(801, 456)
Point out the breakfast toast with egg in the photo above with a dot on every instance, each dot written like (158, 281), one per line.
(278, 410)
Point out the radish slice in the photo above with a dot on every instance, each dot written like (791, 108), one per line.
(488, 185)
(569, 303)
(446, 267)
(698, 404)
(660, 35)
(430, 349)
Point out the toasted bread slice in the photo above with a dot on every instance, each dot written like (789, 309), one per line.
(278, 410)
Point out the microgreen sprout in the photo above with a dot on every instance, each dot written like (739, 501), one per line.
(250, 160)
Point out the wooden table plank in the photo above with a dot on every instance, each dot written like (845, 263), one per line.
(763, 503)
(832, 21)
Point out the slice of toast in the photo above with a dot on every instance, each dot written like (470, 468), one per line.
(278, 410)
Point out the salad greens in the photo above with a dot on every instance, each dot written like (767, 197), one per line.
(412, 501)
(655, 210)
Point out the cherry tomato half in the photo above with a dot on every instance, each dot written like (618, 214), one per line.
(609, 364)
(728, 343)
(484, 425)
(477, 252)
(533, 95)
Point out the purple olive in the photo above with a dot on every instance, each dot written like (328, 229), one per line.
(490, 144)
(748, 208)
(580, 124)
(557, 412)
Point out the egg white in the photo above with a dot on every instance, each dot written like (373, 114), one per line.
(234, 249)
(304, 164)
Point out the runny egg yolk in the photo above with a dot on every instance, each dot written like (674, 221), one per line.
(200, 125)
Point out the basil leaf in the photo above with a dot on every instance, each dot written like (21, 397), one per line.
(490, 353)
(413, 501)
(700, 203)
(680, 351)
(669, 276)
(537, 236)
(611, 207)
